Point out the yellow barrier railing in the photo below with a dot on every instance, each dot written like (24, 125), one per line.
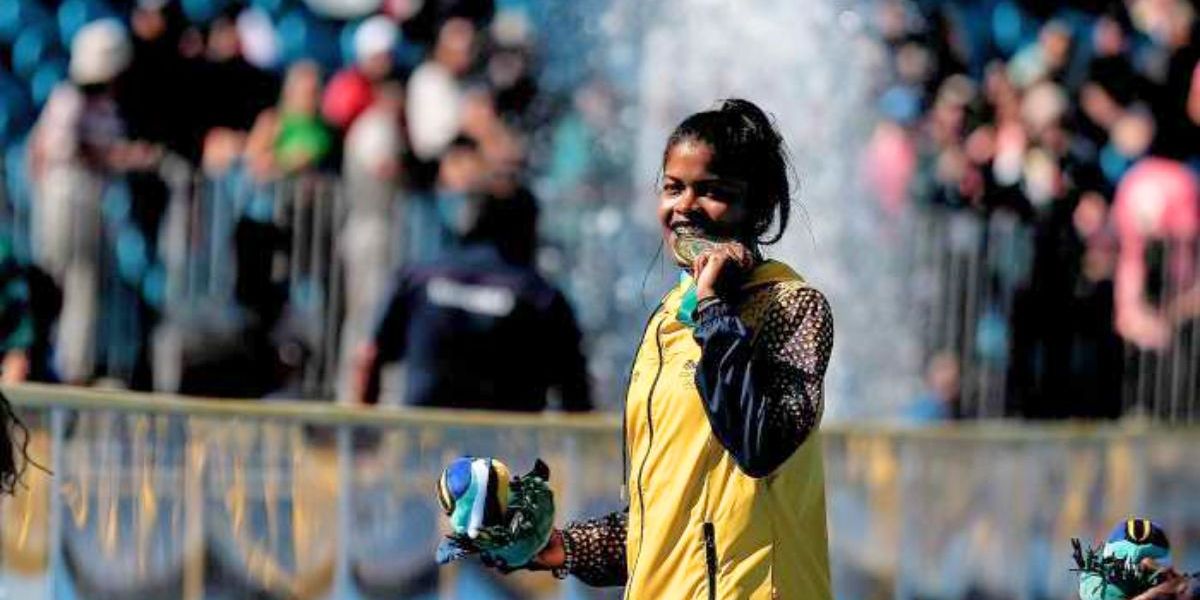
(158, 496)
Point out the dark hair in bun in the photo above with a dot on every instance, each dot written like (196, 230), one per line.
(746, 145)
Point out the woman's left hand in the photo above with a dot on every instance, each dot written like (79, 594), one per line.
(719, 270)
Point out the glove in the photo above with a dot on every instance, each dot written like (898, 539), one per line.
(1119, 570)
(507, 520)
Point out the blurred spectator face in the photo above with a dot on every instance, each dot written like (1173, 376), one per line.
(479, 114)
(374, 42)
(1180, 25)
(148, 23)
(191, 43)
(892, 19)
(890, 162)
(455, 48)
(377, 66)
(913, 63)
(1099, 106)
(1055, 40)
(1042, 181)
(595, 103)
(957, 89)
(1108, 38)
(302, 88)
(981, 145)
(511, 30)
(1133, 133)
(942, 376)
(402, 10)
(462, 169)
(1001, 93)
(390, 99)
(950, 110)
(1043, 107)
(1090, 215)
(1153, 17)
(1011, 142)
(224, 43)
(507, 67)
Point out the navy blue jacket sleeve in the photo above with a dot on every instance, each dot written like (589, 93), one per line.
(763, 396)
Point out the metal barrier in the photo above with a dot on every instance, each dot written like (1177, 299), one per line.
(154, 496)
(1163, 380)
(229, 249)
(967, 270)
(1020, 336)
(238, 245)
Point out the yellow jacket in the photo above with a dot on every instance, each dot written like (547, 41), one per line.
(699, 526)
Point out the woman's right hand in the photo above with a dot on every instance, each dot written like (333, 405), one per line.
(554, 555)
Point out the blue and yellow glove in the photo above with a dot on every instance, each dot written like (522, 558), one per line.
(1115, 572)
(506, 519)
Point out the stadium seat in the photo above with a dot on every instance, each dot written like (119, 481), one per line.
(18, 14)
(34, 45)
(203, 11)
(16, 112)
(303, 35)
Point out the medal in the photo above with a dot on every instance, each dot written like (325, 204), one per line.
(688, 246)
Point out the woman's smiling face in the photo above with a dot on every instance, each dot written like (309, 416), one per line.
(694, 200)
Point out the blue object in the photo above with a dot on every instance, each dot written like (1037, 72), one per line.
(202, 11)
(34, 46)
(303, 35)
(45, 79)
(74, 14)
(272, 7)
(1131, 541)
(1113, 163)
(458, 476)
(1138, 539)
(346, 42)
(16, 111)
(15, 15)
(1009, 27)
(15, 174)
(901, 104)
(991, 337)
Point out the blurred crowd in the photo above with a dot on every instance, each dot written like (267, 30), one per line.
(1080, 121)
(423, 112)
(1075, 125)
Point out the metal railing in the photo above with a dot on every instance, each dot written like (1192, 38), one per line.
(233, 242)
(155, 496)
(968, 269)
(228, 242)
(1018, 335)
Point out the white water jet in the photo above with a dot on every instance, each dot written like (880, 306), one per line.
(811, 65)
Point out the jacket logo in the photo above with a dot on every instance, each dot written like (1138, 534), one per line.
(688, 373)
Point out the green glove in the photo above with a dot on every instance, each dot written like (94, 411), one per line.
(508, 521)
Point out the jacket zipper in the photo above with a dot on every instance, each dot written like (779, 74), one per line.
(625, 414)
(646, 457)
(710, 558)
